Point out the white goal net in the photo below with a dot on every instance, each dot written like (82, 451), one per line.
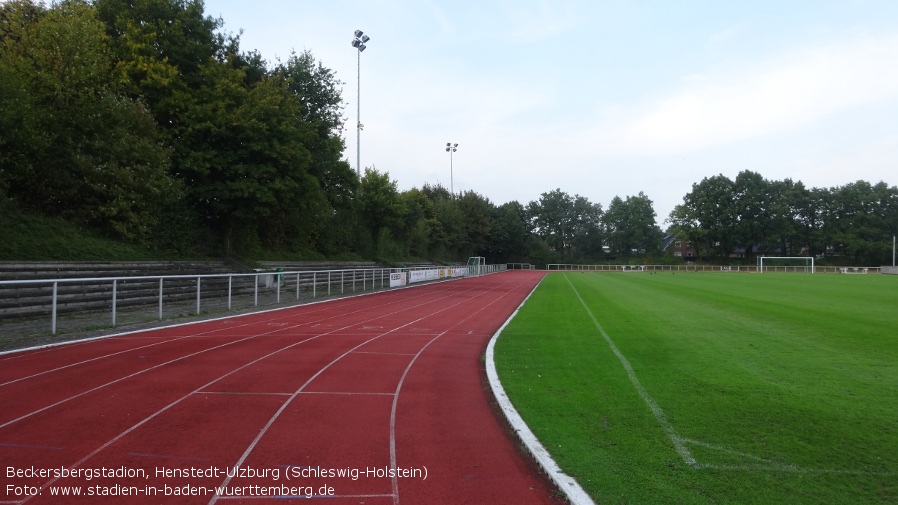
(800, 264)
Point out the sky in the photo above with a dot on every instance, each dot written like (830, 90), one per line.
(601, 98)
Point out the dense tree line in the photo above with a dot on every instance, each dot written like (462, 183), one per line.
(144, 120)
(850, 224)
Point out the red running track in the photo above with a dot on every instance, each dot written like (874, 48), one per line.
(376, 399)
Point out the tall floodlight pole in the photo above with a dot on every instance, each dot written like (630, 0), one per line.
(451, 148)
(359, 43)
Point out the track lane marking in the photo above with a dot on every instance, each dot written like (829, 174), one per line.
(188, 395)
(204, 333)
(393, 464)
(196, 391)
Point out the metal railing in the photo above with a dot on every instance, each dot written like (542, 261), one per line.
(710, 268)
(159, 296)
(22, 298)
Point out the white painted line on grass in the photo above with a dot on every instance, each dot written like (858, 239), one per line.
(675, 438)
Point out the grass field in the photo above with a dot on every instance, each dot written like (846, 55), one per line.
(712, 388)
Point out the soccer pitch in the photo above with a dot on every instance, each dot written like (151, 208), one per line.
(712, 388)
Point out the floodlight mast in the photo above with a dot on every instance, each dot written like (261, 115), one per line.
(451, 148)
(359, 43)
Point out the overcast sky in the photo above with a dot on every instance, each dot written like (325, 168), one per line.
(602, 98)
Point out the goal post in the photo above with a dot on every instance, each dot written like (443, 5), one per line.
(475, 265)
(801, 264)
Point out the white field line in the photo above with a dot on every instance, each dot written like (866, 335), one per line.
(767, 465)
(575, 494)
(675, 438)
(680, 442)
(734, 452)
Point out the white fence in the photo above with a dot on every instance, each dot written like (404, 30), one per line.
(710, 268)
(179, 295)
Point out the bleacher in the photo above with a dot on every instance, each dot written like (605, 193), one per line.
(307, 266)
(25, 300)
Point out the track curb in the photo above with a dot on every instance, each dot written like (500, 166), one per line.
(567, 484)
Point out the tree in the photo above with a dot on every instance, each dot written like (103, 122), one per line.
(241, 154)
(476, 214)
(435, 193)
(93, 151)
(161, 47)
(417, 222)
(588, 235)
(707, 217)
(752, 206)
(380, 213)
(860, 221)
(630, 226)
(317, 90)
(792, 219)
(552, 219)
(508, 234)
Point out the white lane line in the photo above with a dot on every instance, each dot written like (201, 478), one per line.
(393, 464)
(38, 374)
(120, 379)
(653, 406)
(188, 395)
(299, 391)
(162, 410)
(136, 334)
(395, 479)
(65, 400)
(387, 353)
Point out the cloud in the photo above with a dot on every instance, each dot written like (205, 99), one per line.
(779, 94)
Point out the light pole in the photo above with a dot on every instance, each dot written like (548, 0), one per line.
(359, 43)
(451, 148)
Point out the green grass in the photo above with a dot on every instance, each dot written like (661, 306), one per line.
(782, 387)
(32, 237)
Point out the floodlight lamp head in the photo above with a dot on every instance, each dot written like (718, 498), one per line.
(448, 144)
(361, 47)
(456, 145)
(356, 43)
(447, 149)
(365, 38)
(358, 33)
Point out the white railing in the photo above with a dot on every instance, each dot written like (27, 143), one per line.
(708, 268)
(182, 294)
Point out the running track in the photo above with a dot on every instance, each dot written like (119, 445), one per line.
(387, 385)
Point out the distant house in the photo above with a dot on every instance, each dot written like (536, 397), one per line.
(679, 248)
(742, 253)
